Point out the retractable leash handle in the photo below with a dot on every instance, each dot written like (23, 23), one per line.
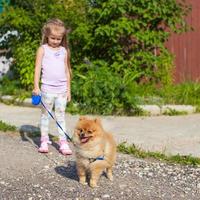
(36, 100)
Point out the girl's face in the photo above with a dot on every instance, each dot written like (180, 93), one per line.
(54, 39)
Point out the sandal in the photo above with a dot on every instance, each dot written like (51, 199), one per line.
(64, 147)
(44, 145)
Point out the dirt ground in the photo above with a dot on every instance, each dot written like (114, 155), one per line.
(26, 174)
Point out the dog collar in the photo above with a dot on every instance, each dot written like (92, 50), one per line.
(94, 159)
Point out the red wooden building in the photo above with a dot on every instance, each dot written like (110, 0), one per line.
(186, 48)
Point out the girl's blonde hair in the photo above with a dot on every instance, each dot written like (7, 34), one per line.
(58, 26)
(54, 25)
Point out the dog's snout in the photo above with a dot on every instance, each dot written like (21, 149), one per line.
(82, 134)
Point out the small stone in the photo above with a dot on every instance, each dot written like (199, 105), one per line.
(36, 186)
(3, 183)
(106, 196)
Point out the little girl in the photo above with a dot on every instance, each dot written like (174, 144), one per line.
(52, 58)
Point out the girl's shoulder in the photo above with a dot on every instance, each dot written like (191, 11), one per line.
(40, 50)
(44, 46)
(63, 49)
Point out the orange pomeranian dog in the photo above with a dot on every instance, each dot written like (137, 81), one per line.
(95, 150)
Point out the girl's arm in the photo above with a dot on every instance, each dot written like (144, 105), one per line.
(38, 64)
(68, 74)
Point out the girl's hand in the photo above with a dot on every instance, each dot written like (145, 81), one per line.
(68, 96)
(36, 91)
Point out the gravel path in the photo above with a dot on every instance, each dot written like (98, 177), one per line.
(27, 175)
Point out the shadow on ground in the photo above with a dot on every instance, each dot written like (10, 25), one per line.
(31, 134)
(69, 171)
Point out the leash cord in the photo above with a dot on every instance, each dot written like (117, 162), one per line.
(70, 139)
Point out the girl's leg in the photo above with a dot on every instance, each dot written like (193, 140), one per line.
(60, 106)
(48, 100)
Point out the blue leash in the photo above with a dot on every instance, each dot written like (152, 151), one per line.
(56, 122)
(36, 100)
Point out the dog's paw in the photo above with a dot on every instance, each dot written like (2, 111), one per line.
(93, 184)
(110, 176)
(83, 182)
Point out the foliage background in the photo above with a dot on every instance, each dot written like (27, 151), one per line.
(118, 49)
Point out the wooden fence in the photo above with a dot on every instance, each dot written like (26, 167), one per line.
(186, 48)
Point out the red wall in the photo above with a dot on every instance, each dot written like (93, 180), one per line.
(186, 48)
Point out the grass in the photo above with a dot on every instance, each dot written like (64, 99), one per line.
(6, 127)
(173, 112)
(139, 153)
(187, 93)
(14, 89)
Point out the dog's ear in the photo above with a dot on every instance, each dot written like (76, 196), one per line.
(82, 118)
(98, 121)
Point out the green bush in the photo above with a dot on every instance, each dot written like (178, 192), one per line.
(98, 90)
(24, 65)
(131, 35)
